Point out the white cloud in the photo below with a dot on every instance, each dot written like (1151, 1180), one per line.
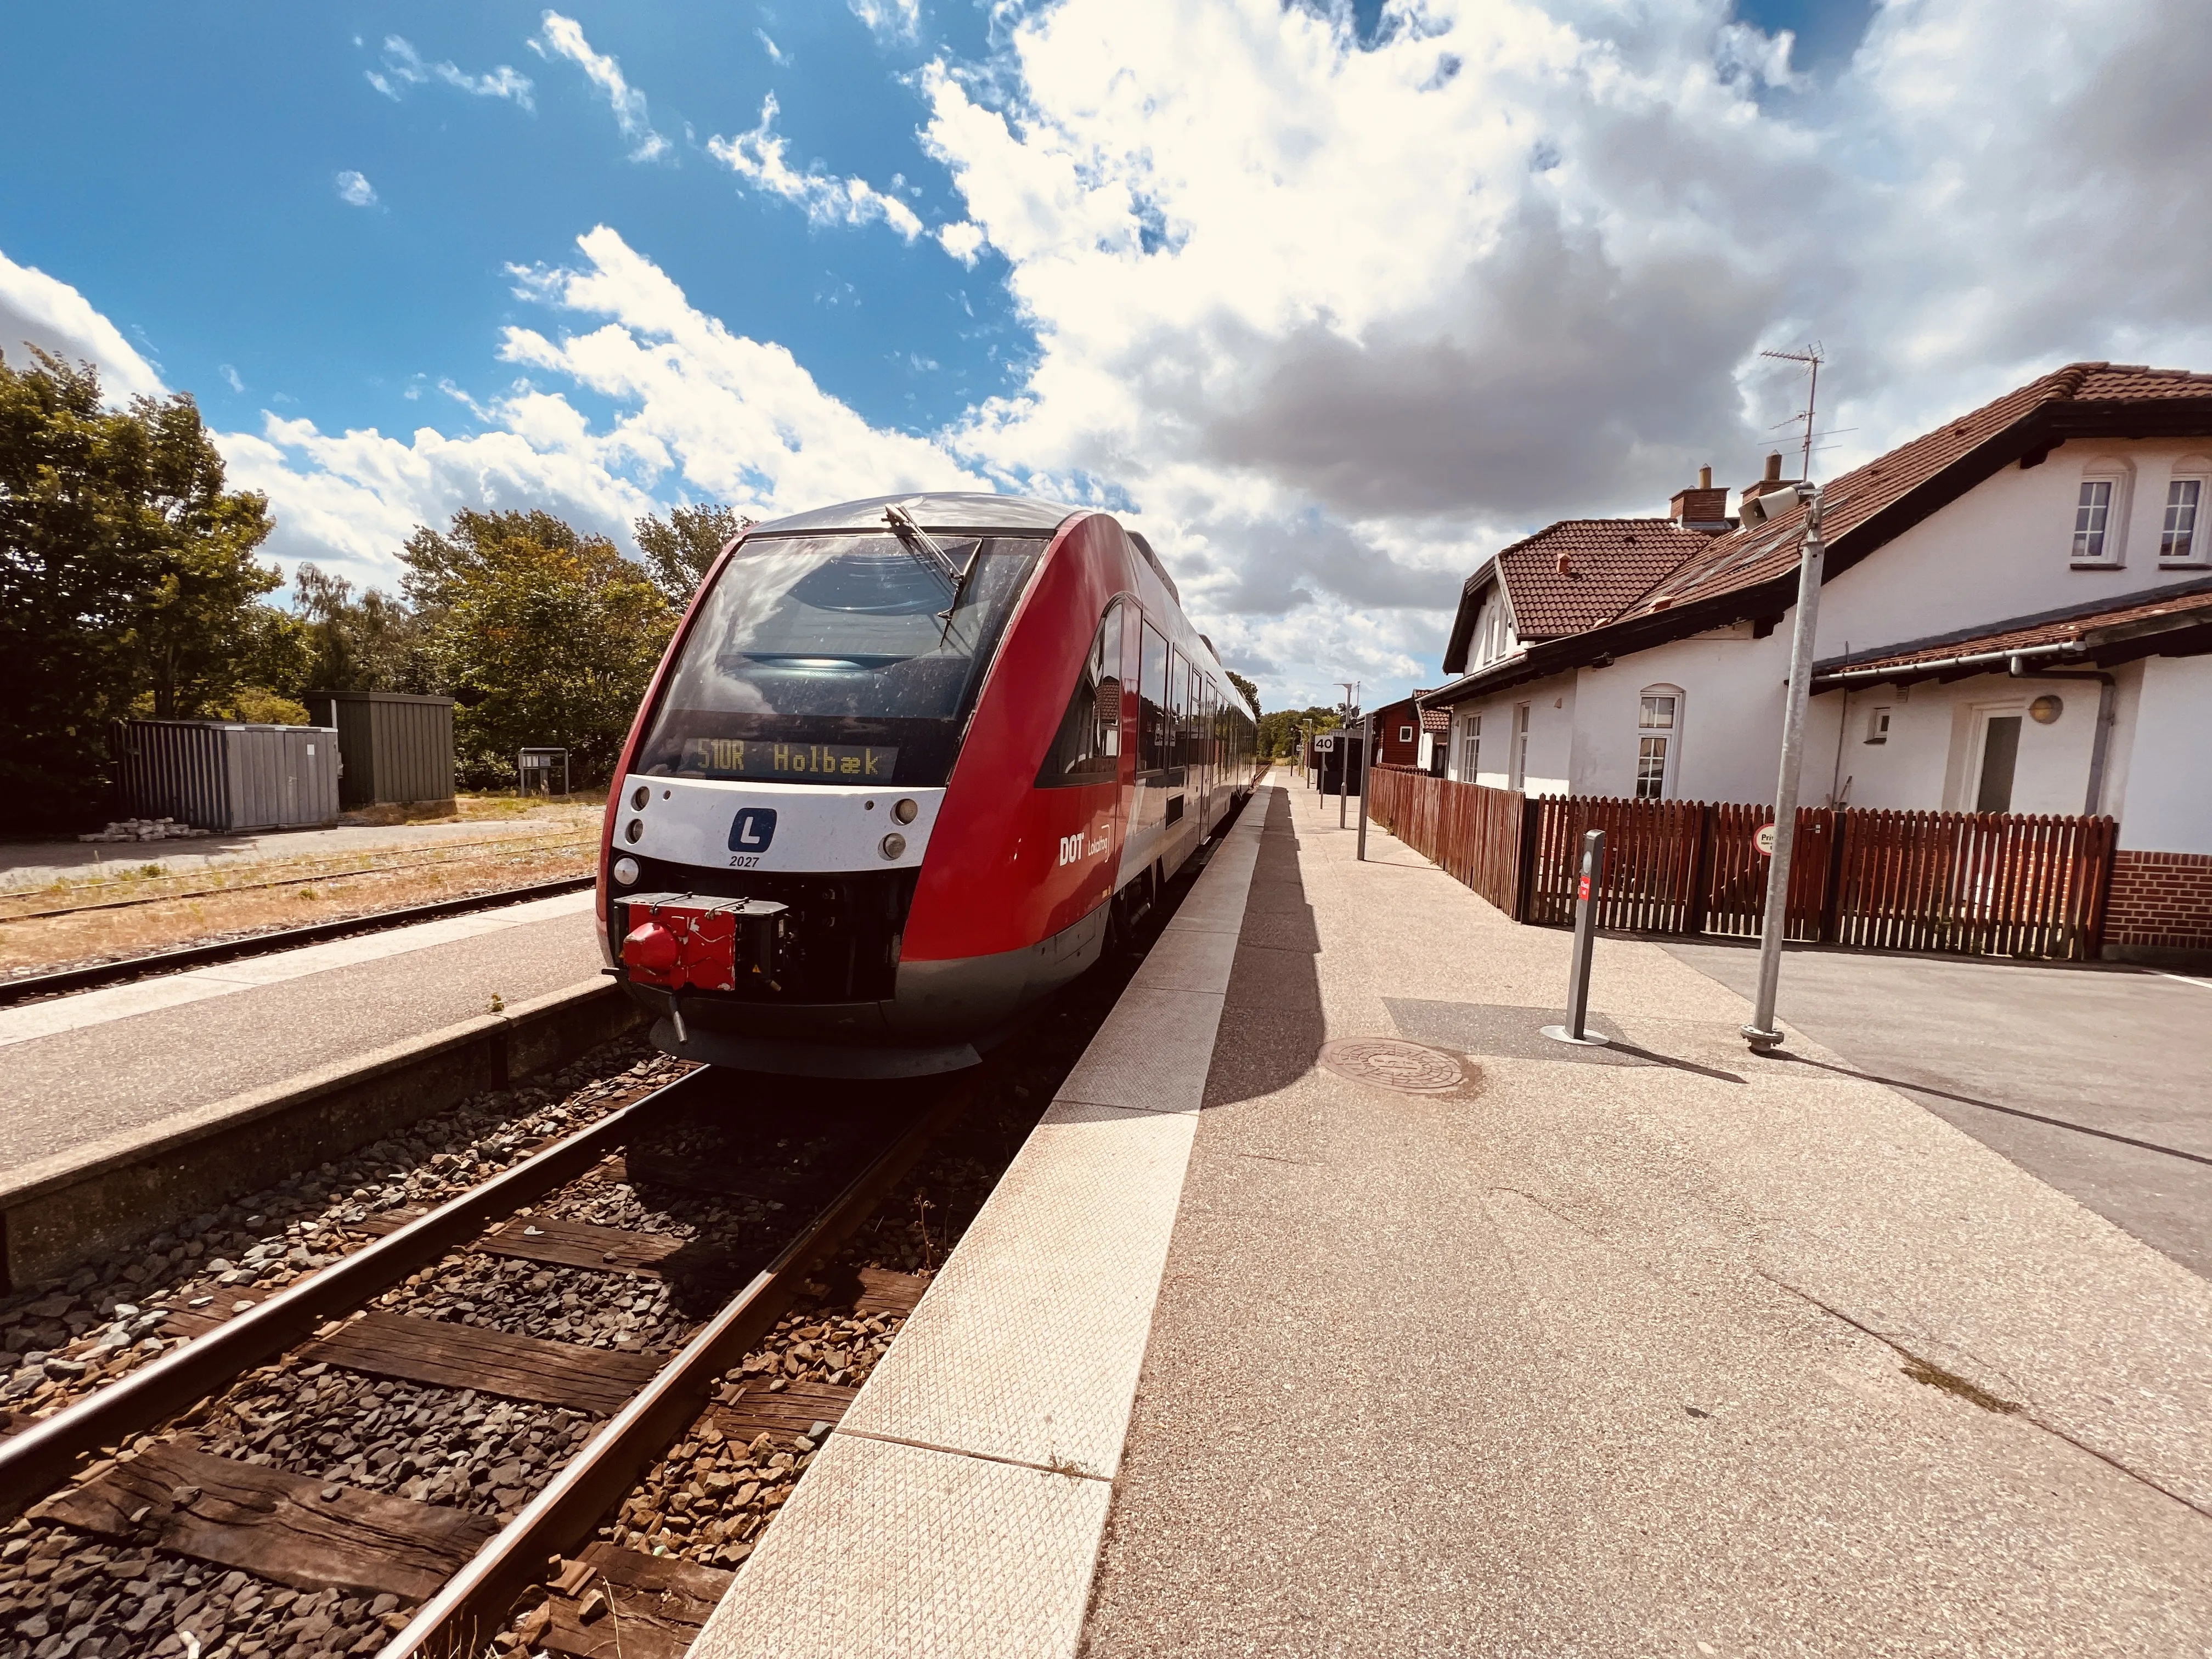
(42, 311)
(403, 66)
(564, 37)
(758, 157)
(964, 242)
(705, 415)
(890, 21)
(230, 377)
(1341, 319)
(354, 190)
(775, 53)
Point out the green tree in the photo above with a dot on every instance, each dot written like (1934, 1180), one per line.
(544, 637)
(126, 579)
(1246, 689)
(680, 551)
(371, 643)
(1279, 731)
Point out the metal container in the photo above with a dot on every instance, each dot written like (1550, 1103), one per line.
(222, 776)
(398, 748)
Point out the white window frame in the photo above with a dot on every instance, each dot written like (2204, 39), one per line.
(1516, 755)
(1670, 759)
(1470, 747)
(2197, 469)
(2113, 554)
(1407, 735)
(1878, 723)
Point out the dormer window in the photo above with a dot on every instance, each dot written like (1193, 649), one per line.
(2181, 537)
(2100, 515)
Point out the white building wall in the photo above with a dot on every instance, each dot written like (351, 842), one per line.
(1551, 738)
(2004, 548)
(1927, 762)
(1729, 722)
(2168, 773)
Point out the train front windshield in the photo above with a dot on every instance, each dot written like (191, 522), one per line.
(842, 659)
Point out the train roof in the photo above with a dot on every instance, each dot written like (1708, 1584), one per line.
(945, 510)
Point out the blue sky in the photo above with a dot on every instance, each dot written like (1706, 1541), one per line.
(200, 211)
(1330, 301)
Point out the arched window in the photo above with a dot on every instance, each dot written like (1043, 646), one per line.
(1658, 741)
(2100, 513)
(2184, 537)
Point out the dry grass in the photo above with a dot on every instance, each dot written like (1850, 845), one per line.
(140, 911)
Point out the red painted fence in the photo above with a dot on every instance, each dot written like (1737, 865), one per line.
(1981, 884)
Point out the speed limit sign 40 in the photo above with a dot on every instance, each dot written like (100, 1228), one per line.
(1763, 839)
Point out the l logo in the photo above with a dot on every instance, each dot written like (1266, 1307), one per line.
(752, 830)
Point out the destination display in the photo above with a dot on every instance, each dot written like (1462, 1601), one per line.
(754, 757)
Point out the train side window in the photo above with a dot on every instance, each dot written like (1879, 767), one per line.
(1179, 727)
(1153, 740)
(1087, 748)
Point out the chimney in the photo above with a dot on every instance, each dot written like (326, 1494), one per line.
(1773, 480)
(1566, 562)
(1702, 508)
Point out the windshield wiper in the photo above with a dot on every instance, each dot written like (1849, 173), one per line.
(923, 545)
(932, 557)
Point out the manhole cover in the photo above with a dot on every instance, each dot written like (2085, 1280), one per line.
(1389, 1064)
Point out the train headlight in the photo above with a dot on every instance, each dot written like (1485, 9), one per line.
(893, 846)
(904, 812)
(636, 829)
(639, 797)
(626, 871)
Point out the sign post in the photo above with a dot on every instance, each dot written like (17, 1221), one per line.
(1588, 883)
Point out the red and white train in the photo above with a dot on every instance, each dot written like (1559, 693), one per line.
(907, 764)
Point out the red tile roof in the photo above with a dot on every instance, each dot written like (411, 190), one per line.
(1623, 601)
(2111, 626)
(1743, 558)
(1610, 563)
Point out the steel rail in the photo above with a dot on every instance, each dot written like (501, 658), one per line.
(258, 945)
(43, 1457)
(474, 1604)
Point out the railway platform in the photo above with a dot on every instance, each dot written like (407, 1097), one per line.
(87, 1068)
(1332, 1310)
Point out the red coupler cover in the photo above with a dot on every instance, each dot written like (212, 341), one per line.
(679, 939)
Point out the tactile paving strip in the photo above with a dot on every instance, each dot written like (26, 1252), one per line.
(887, 1549)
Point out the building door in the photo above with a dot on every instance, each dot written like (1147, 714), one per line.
(2000, 758)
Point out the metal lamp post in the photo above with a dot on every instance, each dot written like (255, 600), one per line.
(1762, 1033)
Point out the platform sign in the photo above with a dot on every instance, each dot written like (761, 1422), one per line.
(1763, 839)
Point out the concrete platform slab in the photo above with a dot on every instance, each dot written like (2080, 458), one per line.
(82, 1069)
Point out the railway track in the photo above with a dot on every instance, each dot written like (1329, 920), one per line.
(551, 1413)
(179, 1459)
(31, 986)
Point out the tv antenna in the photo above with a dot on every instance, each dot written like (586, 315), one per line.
(1810, 356)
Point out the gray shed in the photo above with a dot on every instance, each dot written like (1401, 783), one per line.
(220, 776)
(397, 747)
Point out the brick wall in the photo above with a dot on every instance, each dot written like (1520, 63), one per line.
(2162, 900)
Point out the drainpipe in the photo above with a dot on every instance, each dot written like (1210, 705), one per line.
(2100, 740)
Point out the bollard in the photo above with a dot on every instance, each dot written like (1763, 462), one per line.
(1366, 775)
(1577, 1029)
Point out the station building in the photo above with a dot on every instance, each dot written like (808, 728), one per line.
(2017, 618)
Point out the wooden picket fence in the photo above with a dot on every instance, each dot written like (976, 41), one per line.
(1979, 884)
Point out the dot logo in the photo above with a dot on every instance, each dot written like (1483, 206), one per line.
(752, 830)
